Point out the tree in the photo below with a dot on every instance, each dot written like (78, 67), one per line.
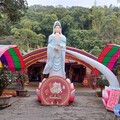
(81, 39)
(97, 19)
(96, 51)
(82, 18)
(10, 12)
(13, 9)
(2, 29)
(47, 25)
(111, 29)
(67, 22)
(43, 9)
(84, 28)
(34, 16)
(60, 12)
(26, 24)
(36, 27)
(41, 40)
(27, 40)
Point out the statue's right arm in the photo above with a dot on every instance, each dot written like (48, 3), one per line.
(55, 47)
(49, 41)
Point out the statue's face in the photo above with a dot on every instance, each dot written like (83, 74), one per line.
(57, 29)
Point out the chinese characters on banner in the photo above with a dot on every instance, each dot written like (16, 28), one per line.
(113, 100)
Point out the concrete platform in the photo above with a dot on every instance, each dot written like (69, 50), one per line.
(86, 106)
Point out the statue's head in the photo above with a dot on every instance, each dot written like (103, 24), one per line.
(57, 27)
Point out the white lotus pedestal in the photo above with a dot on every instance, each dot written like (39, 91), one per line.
(56, 90)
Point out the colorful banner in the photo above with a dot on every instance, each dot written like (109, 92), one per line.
(113, 100)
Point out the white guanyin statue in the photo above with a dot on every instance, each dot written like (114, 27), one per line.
(55, 65)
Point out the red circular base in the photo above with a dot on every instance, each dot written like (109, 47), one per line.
(55, 90)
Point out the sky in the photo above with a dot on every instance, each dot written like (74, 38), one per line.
(83, 3)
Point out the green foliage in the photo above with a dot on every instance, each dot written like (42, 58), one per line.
(96, 51)
(60, 12)
(6, 78)
(26, 24)
(102, 83)
(81, 38)
(43, 9)
(85, 28)
(67, 23)
(13, 9)
(47, 23)
(21, 77)
(97, 18)
(27, 39)
(36, 27)
(111, 29)
(10, 13)
(34, 16)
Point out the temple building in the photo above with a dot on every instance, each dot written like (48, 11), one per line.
(74, 71)
(77, 71)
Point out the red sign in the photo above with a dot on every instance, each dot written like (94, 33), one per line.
(113, 100)
(85, 82)
(55, 90)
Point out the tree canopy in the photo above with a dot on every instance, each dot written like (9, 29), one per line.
(89, 29)
(12, 9)
(10, 13)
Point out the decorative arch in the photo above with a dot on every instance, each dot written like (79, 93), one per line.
(109, 55)
(11, 56)
(41, 54)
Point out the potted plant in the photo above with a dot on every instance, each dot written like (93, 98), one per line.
(101, 83)
(7, 77)
(21, 78)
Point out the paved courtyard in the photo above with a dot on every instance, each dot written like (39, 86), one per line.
(86, 106)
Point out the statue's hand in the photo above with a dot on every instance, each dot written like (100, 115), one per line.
(56, 48)
(59, 45)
